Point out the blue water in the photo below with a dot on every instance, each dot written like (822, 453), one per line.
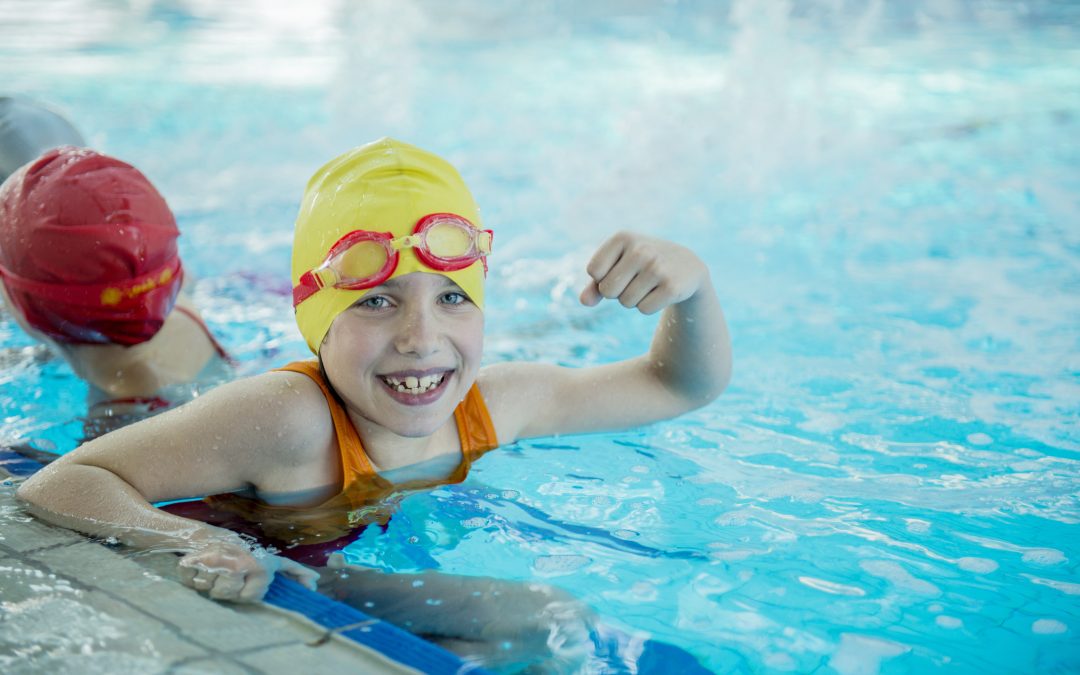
(886, 194)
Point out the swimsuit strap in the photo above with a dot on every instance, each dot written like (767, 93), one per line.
(354, 461)
(475, 429)
(194, 316)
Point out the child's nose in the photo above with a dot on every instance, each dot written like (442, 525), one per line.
(418, 334)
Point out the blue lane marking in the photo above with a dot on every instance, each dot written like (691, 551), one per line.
(391, 641)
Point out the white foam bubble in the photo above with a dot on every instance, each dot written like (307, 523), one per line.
(977, 565)
(899, 577)
(950, 622)
(1048, 627)
(1043, 556)
(862, 655)
(1065, 587)
(557, 565)
(831, 587)
(917, 526)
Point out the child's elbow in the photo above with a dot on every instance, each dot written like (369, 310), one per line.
(29, 492)
(35, 490)
(709, 388)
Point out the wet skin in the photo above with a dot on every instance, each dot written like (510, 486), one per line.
(415, 330)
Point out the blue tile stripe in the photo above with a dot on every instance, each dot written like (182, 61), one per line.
(17, 465)
(389, 640)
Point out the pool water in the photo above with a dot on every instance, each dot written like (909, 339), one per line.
(885, 193)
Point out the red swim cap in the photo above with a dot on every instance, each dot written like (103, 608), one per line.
(88, 248)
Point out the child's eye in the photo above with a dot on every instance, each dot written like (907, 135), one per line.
(453, 298)
(374, 302)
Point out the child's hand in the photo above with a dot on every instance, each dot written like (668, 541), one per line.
(643, 272)
(231, 572)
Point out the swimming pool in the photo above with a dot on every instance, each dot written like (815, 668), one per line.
(886, 195)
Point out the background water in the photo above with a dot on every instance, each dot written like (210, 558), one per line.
(886, 194)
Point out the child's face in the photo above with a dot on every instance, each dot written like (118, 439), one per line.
(406, 354)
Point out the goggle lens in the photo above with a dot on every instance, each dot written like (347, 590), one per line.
(449, 240)
(362, 260)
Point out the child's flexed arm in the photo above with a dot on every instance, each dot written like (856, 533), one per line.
(687, 366)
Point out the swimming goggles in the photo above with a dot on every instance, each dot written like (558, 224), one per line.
(361, 259)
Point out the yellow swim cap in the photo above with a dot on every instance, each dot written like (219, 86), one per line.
(385, 186)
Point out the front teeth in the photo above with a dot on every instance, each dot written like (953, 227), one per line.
(415, 385)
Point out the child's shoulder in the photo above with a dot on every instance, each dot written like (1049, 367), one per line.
(279, 411)
(516, 392)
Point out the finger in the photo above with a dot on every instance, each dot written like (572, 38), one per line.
(590, 295)
(655, 301)
(305, 575)
(336, 560)
(204, 580)
(639, 287)
(187, 573)
(227, 586)
(618, 277)
(605, 258)
(255, 585)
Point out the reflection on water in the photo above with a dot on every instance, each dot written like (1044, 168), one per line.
(885, 193)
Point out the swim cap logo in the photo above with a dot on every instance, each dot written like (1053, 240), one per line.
(113, 295)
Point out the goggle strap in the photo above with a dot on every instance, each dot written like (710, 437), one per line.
(308, 286)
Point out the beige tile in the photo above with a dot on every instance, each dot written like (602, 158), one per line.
(49, 624)
(22, 532)
(334, 657)
(214, 625)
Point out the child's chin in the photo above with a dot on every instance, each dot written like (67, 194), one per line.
(417, 426)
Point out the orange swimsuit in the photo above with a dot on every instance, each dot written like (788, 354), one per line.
(309, 534)
(475, 431)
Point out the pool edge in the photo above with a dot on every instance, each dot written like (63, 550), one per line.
(402, 651)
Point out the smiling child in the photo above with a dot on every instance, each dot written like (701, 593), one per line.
(389, 263)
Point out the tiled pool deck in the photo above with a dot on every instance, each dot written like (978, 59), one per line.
(68, 604)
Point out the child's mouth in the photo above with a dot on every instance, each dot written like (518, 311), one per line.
(416, 389)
